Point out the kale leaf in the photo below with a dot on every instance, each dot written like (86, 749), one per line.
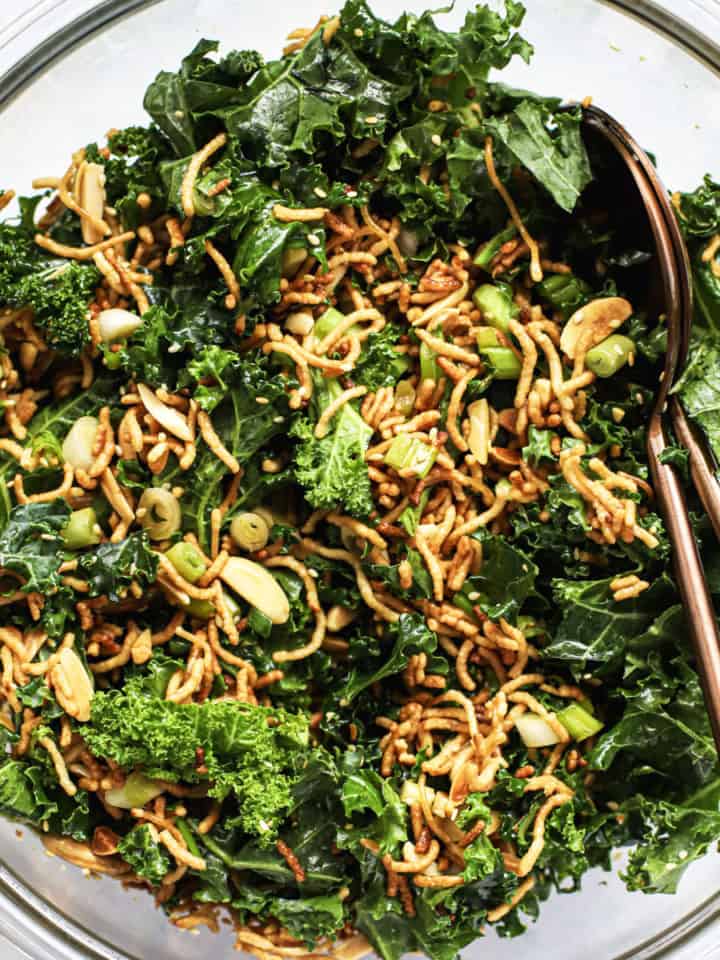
(148, 858)
(57, 291)
(332, 470)
(244, 756)
(31, 544)
(110, 568)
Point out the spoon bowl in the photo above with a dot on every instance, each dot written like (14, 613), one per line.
(670, 296)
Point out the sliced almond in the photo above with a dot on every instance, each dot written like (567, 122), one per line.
(77, 448)
(105, 842)
(599, 316)
(507, 419)
(117, 324)
(300, 323)
(90, 194)
(339, 617)
(166, 416)
(478, 438)
(258, 586)
(506, 457)
(141, 650)
(82, 856)
(72, 685)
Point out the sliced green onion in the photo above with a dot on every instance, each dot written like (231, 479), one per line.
(249, 531)
(113, 361)
(496, 306)
(187, 835)
(135, 792)
(404, 397)
(292, 259)
(161, 514)
(610, 355)
(187, 560)
(492, 247)
(202, 609)
(535, 731)
(409, 453)
(487, 338)
(503, 361)
(565, 292)
(327, 322)
(429, 369)
(81, 530)
(578, 722)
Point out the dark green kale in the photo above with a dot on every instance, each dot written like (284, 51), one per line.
(244, 756)
(57, 291)
(148, 858)
(331, 470)
(31, 544)
(699, 217)
(110, 568)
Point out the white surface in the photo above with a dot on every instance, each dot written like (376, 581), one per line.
(668, 100)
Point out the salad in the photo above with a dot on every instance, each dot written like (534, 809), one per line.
(334, 596)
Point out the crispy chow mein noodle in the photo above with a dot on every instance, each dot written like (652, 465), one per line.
(230, 602)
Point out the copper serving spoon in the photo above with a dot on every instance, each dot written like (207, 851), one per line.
(671, 290)
(701, 467)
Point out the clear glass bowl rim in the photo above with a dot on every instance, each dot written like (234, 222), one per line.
(28, 918)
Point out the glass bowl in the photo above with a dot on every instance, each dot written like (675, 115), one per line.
(76, 68)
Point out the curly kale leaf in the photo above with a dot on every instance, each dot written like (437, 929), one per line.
(176, 101)
(671, 836)
(244, 756)
(110, 568)
(699, 217)
(332, 470)
(30, 792)
(699, 387)
(505, 581)
(245, 427)
(131, 165)
(31, 544)
(486, 39)
(549, 146)
(594, 632)
(408, 636)
(379, 364)
(699, 211)
(57, 291)
(148, 858)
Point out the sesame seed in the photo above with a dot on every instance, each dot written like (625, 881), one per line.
(314, 239)
(261, 400)
(436, 139)
(319, 192)
(371, 119)
(358, 32)
(352, 193)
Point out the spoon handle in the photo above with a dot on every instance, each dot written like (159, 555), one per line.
(689, 573)
(704, 479)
